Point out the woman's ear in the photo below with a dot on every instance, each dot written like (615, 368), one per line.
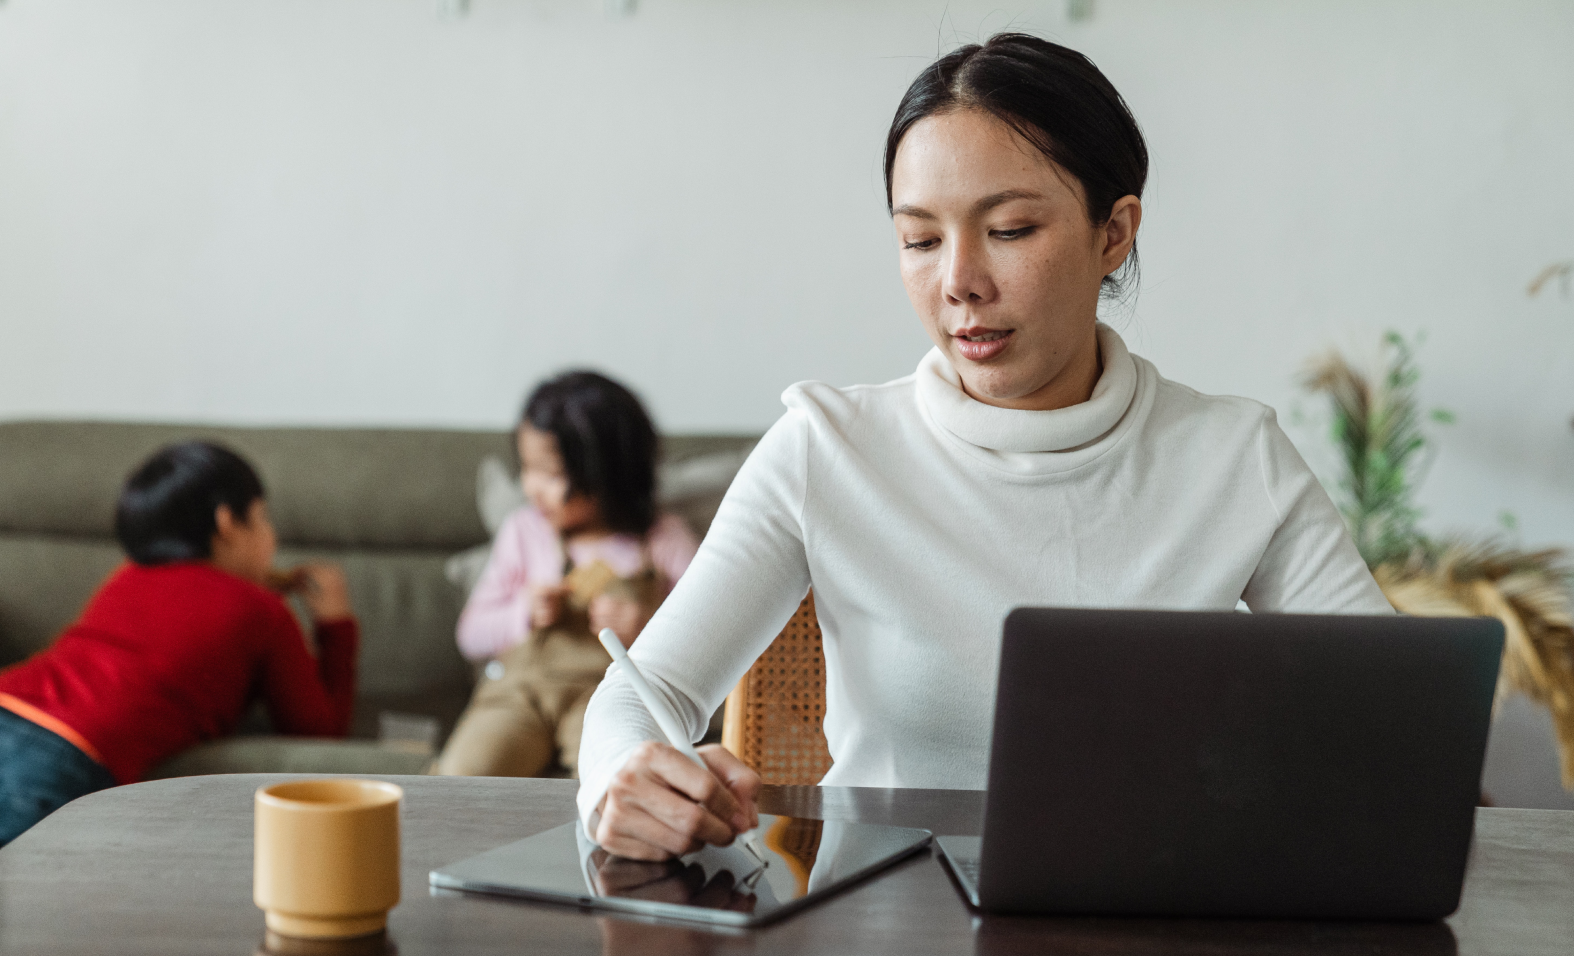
(1120, 231)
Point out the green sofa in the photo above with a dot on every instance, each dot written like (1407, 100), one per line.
(391, 506)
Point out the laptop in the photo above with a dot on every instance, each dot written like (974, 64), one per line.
(1174, 763)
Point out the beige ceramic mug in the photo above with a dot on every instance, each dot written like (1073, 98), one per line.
(327, 857)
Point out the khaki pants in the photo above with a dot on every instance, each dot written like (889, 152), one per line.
(522, 722)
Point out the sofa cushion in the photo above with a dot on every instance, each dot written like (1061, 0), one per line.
(402, 488)
(44, 582)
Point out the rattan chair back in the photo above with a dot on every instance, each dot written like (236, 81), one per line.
(773, 720)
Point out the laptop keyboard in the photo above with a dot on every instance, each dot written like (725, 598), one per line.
(963, 858)
(968, 868)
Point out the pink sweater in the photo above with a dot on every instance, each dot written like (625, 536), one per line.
(527, 551)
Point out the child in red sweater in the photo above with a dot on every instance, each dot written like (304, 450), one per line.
(174, 645)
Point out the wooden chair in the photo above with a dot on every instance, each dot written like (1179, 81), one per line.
(773, 720)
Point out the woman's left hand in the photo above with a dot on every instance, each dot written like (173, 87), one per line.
(625, 616)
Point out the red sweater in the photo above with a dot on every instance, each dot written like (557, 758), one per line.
(166, 657)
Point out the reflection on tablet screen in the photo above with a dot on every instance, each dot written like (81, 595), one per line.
(803, 858)
(718, 878)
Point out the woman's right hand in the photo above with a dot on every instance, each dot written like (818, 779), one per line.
(662, 804)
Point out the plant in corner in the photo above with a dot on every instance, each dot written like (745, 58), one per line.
(1376, 425)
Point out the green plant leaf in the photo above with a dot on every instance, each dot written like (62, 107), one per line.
(1376, 425)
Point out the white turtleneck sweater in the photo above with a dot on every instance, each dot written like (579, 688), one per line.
(921, 516)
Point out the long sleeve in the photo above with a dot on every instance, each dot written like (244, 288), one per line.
(307, 696)
(168, 656)
(672, 548)
(1311, 565)
(497, 615)
(743, 584)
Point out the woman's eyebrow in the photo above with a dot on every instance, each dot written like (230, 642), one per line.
(983, 205)
(1003, 197)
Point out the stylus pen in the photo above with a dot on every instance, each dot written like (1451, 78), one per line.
(664, 719)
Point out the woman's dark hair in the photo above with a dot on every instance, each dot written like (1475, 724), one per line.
(1056, 99)
(607, 442)
(166, 510)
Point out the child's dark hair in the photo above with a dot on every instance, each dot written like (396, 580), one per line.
(607, 442)
(166, 510)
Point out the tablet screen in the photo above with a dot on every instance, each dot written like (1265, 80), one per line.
(804, 859)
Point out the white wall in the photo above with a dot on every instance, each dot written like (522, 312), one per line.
(350, 211)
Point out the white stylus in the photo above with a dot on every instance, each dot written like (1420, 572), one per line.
(664, 719)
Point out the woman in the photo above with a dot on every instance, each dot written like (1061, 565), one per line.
(1030, 459)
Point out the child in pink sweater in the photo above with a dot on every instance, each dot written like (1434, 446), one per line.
(589, 551)
(526, 569)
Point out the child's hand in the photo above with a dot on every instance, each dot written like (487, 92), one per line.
(285, 582)
(546, 604)
(626, 617)
(323, 589)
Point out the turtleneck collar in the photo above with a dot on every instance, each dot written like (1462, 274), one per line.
(1014, 430)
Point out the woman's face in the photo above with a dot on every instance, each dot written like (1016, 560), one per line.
(1001, 261)
(545, 482)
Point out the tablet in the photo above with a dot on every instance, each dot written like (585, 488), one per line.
(805, 860)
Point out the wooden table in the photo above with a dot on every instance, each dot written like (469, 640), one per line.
(165, 867)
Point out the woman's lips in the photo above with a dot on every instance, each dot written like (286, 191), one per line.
(979, 344)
